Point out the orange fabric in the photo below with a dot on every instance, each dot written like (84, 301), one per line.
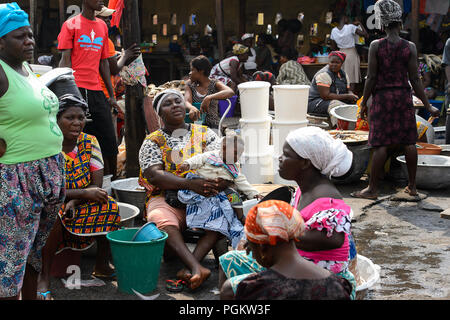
(273, 221)
(111, 53)
(163, 215)
(360, 123)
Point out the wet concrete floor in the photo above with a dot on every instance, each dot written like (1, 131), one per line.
(408, 240)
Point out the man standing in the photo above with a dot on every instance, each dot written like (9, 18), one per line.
(446, 63)
(83, 41)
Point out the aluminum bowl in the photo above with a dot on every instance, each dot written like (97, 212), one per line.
(129, 191)
(433, 171)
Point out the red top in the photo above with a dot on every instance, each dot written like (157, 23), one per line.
(88, 40)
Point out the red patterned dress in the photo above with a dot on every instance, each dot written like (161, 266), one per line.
(391, 116)
(90, 218)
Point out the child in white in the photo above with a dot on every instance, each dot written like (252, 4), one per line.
(223, 163)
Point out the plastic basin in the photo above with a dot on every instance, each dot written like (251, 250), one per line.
(428, 148)
(148, 232)
(137, 263)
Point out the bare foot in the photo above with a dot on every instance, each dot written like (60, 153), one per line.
(199, 277)
(184, 274)
(412, 191)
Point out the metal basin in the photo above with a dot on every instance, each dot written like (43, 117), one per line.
(433, 171)
(127, 214)
(129, 191)
(346, 116)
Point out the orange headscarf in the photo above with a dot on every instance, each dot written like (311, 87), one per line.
(273, 221)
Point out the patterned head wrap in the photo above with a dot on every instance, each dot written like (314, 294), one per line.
(70, 100)
(387, 11)
(273, 221)
(328, 155)
(159, 98)
(12, 18)
(239, 49)
(341, 55)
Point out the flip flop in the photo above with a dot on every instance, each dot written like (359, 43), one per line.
(102, 276)
(359, 195)
(44, 295)
(175, 285)
(406, 190)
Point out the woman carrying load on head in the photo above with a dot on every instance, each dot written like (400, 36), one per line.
(31, 164)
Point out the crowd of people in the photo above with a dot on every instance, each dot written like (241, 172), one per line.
(57, 143)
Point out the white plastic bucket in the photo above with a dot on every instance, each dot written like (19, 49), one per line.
(257, 168)
(40, 70)
(256, 135)
(254, 97)
(281, 129)
(290, 102)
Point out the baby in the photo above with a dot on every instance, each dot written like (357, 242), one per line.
(223, 164)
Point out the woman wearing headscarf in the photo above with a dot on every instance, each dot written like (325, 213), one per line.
(230, 70)
(32, 166)
(272, 228)
(89, 213)
(311, 156)
(392, 66)
(161, 156)
(330, 87)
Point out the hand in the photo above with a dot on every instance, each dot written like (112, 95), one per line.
(204, 187)
(194, 114)
(184, 167)
(96, 194)
(363, 111)
(258, 196)
(222, 184)
(2, 147)
(433, 111)
(205, 104)
(69, 210)
(351, 97)
(242, 245)
(132, 53)
(113, 103)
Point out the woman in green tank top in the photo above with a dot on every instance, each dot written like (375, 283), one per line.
(31, 164)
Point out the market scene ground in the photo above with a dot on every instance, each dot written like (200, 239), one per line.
(284, 152)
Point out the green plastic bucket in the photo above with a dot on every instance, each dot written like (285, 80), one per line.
(137, 263)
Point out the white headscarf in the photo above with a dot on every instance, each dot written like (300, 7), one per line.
(330, 156)
(163, 94)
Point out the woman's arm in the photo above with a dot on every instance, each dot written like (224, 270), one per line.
(93, 192)
(167, 181)
(194, 113)
(326, 94)
(371, 78)
(315, 240)
(416, 83)
(235, 75)
(224, 92)
(363, 32)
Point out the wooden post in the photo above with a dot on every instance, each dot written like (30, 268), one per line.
(33, 12)
(415, 22)
(220, 28)
(242, 17)
(134, 115)
(62, 12)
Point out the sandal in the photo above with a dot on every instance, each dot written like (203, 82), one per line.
(175, 285)
(102, 276)
(43, 295)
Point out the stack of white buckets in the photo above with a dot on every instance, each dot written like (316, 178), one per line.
(291, 105)
(255, 130)
(260, 159)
